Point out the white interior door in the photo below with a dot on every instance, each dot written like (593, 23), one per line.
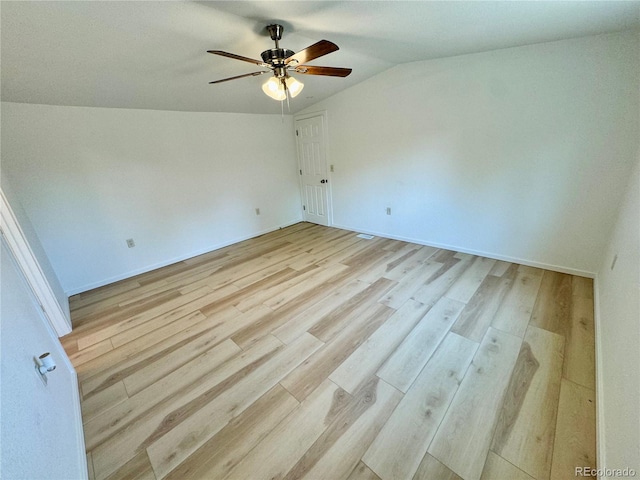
(311, 145)
(41, 432)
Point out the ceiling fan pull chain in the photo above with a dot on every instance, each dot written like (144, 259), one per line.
(282, 111)
(286, 92)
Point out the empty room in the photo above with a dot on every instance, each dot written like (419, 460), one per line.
(328, 240)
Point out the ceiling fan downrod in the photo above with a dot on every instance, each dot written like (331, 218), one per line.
(275, 32)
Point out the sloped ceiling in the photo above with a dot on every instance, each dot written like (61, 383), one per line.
(152, 55)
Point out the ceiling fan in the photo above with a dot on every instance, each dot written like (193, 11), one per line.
(281, 61)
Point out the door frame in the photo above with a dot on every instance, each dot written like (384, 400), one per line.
(325, 127)
(28, 264)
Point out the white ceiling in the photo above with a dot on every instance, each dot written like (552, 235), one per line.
(152, 54)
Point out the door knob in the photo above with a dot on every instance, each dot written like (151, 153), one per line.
(324, 181)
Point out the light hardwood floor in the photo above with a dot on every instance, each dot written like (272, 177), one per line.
(310, 352)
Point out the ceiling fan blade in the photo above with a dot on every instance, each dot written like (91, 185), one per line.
(254, 74)
(314, 51)
(237, 57)
(328, 71)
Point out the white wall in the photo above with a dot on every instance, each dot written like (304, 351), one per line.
(516, 153)
(618, 334)
(178, 183)
(41, 427)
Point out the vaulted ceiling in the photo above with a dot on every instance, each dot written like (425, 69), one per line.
(152, 54)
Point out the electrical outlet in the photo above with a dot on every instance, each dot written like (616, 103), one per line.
(388, 210)
(130, 243)
(257, 211)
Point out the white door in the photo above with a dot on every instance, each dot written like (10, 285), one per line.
(310, 141)
(41, 432)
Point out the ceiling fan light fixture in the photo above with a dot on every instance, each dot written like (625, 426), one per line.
(277, 88)
(294, 86)
(274, 89)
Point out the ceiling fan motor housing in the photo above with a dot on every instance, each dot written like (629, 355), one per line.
(276, 56)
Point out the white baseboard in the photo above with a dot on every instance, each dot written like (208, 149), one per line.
(148, 268)
(495, 256)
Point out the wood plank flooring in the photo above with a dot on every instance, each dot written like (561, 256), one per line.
(311, 353)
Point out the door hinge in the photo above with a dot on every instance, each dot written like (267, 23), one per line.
(304, 208)
(300, 172)
(296, 133)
